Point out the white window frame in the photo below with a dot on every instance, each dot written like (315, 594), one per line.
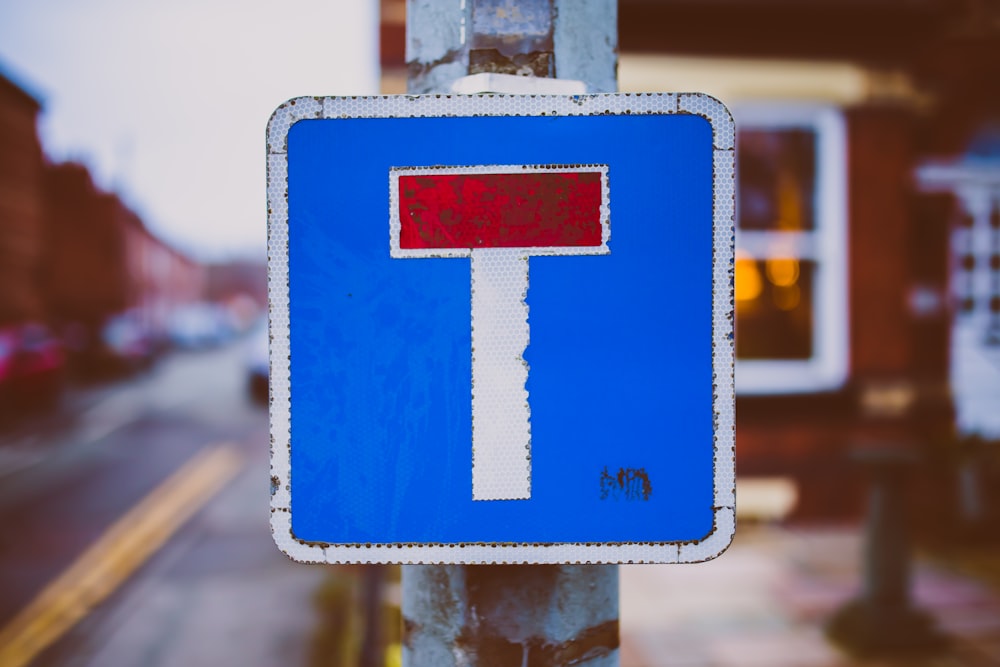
(826, 245)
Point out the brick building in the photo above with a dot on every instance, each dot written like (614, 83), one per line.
(101, 264)
(73, 257)
(846, 302)
(21, 204)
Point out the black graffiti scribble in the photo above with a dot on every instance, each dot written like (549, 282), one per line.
(626, 484)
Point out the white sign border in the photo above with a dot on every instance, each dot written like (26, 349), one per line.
(398, 106)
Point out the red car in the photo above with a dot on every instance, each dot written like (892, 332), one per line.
(31, 367)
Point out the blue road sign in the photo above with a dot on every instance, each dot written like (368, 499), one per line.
(502, 328)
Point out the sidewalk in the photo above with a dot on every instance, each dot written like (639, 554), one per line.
(762, 603)
(765, 600)
(219, 594)
(223, 594)
(230, 598)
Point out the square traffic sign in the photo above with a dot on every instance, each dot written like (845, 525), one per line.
(502, 328)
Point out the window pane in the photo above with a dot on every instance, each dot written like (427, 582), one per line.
(774, 308)
(777, 179)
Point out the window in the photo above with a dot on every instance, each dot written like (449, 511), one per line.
(791, 250)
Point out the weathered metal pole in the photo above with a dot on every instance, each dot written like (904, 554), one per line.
(517, 615)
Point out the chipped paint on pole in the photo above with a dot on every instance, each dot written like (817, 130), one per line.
(459, 615)
(437, 49)
(585, 35)
(562, 39)
(539, 615)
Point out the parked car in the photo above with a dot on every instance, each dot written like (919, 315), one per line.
(257, 364)
(200, 325)
(127, 344)
(32, 364)
(8, 346)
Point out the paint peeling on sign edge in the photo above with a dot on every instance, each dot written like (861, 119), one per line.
(482, 553)
(710, 546)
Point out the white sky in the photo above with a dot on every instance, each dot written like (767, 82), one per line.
(167, 100)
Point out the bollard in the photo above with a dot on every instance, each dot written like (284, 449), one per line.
(883, 620)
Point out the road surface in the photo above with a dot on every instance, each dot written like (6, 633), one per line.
(95, 501)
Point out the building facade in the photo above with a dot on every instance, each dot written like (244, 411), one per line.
(76, 260)
(21, 204)
(848, 325)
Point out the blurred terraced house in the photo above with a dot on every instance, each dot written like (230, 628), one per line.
(854, 314)
(868, 241)
(110, 285)
(77, 266)
(31, 361)
(856, 319)
(22, 213)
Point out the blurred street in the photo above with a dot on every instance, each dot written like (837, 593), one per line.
(766, 601)
(218, 592)
(147, 226)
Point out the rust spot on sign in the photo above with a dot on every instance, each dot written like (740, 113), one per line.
(626, 484)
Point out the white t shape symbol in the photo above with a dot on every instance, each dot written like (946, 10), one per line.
(499, 216)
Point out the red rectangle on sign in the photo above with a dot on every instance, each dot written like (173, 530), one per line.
(530, 209)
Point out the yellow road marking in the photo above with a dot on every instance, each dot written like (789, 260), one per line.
(117, 553)
(394, 655)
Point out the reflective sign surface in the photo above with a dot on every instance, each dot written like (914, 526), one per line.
(498, 335)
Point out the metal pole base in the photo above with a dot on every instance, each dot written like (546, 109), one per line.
(500, 615)
(865, 630)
